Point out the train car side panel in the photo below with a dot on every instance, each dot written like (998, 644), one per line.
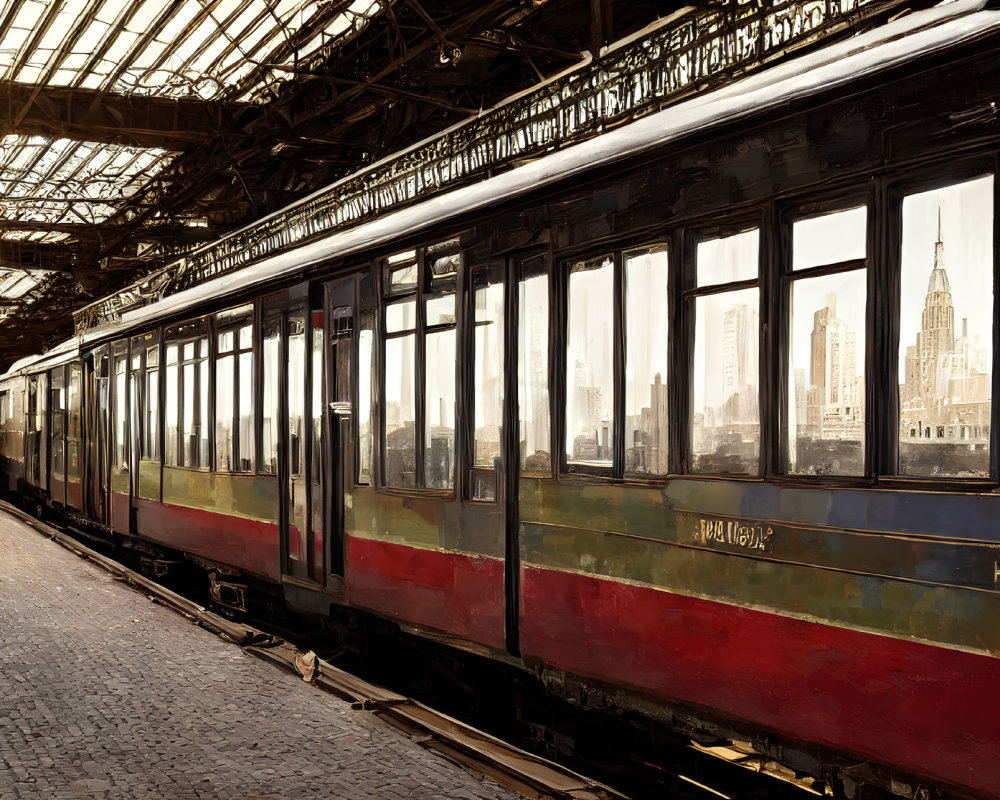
(921, 707)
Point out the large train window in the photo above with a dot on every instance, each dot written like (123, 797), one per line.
(57, 429)
(234, 390)
(946, 331)
(825, 402)
(186, 399)
(36, 440)
(74, 428)
(145, 391)
(616, 364)
(420, 316)
(271, 372)
(366, 376)
(487, 379)
(725, 415)
(646, 359)
(590, 364)
(534, 414)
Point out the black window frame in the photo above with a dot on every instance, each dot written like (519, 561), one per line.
(234, 328)
(895, 187)
(619, 256)
(428, 287)
(716, 227)
(204, 323)
(780, 288)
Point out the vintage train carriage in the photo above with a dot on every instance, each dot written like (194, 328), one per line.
(698, 411)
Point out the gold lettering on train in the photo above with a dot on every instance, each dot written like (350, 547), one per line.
(747, 535)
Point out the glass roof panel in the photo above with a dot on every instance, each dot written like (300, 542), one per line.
(230, 49)
(58, 181)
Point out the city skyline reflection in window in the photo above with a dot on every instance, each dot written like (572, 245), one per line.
(946, 330)
(725, 416)
(826, 386)
(590, 436)
(646, 360)
(534, 424)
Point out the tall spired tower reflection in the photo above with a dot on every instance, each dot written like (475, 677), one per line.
(937, 324)
(945, 393)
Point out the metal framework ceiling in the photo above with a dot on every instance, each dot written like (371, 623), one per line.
(212, 49)
(134, 130)
(61, 180)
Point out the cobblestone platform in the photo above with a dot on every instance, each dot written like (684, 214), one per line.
(105, 695)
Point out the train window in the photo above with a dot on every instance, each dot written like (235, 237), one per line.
(646, 358)
(834, 238)
(234, 390)
(725, 416)
(187, 399)
(366, 376)
(57, 424)
(36, 444)
(534, 413)
(420, 351)
(401, 271)
(443, 260)
(439, 390)
(74, 422)
(271, 368)
(728, 259)
(946, 331)
(826, 350)
(366, 353)
(172, 416)
(296, 444)
(590, 380)
(400, 399)
(487, 376)
(119, 435)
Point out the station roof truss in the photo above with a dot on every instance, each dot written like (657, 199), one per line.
(134, 134)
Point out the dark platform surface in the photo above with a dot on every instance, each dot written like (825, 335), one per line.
(106, 695)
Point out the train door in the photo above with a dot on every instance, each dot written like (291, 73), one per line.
(314, 335)
(335, 414)
(527, 413)
(288, 330)
(119, 470)
(36, 437)
(74, 436)
(57, 431)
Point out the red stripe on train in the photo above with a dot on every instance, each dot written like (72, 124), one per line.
(926, 709)
(241, 542)
(459, 593)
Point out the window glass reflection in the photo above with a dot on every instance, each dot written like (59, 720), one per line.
(830, 238)
(725, 419)
(488, 370)
(646, 357)
(400, 412)
(225, 376)
(945, 331)
(269, 409)
(439, 428)
(732, 258)
(533, 371)
(590, 364)
(826, 368)
(366, 341)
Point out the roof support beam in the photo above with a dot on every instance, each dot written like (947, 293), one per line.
(93, 116)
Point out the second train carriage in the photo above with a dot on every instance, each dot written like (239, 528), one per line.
(709, 428)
